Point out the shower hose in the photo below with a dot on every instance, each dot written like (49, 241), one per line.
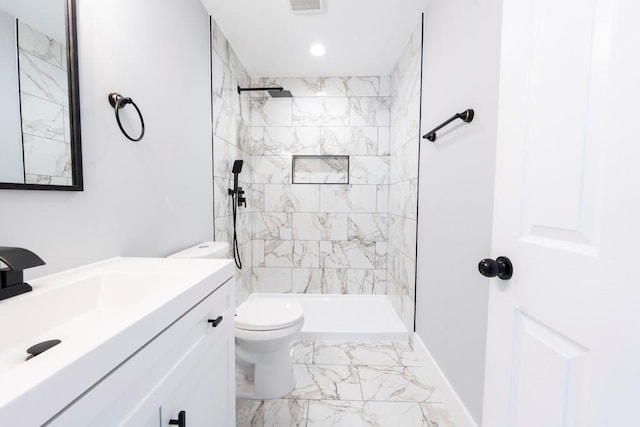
(236, 250)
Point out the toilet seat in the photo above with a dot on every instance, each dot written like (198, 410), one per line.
(269, 336)
(268, 314)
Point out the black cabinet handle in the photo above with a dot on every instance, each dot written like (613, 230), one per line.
(181, 421)
(215, 322)
(500, 267)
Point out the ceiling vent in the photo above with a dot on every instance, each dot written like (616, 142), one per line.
(307, 6)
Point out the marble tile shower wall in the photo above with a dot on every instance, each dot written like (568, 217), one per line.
(44, 105)
(321, 238)
(403, 180)
(230, 118)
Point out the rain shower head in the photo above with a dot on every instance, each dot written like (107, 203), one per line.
(275, 92)
(280, 93)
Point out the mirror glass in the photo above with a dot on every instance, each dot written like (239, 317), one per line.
(39, 109)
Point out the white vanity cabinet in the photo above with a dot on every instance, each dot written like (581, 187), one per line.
(188, 367)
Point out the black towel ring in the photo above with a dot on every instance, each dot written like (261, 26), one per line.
(118, 101)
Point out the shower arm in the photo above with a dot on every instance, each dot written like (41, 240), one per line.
(251, 89)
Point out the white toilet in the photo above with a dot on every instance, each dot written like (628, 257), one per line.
(264, 330)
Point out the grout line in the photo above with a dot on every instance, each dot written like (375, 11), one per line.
(306, 421)
(397, 354)
(359, 400)
(424, 415)
(360, 382)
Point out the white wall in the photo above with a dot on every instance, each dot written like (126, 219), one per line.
(461, 65)
(141, 199)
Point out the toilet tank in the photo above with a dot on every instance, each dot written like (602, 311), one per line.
(204, 250)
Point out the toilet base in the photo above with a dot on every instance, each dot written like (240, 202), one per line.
(264, 375)
(245, 390)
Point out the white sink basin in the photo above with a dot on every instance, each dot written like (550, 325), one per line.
(76, 305)
(102, 313)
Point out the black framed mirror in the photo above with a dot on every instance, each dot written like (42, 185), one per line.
(40, 104)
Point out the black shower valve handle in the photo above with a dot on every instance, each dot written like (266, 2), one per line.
(242, 201)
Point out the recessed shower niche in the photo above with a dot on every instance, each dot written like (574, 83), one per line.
(320, 170)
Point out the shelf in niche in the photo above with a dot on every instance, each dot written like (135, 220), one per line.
(320, 170)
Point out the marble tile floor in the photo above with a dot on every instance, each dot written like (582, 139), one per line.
(351, 384)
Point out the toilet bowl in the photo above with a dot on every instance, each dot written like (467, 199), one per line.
(264, 331)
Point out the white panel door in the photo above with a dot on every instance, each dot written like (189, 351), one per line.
(564, 333)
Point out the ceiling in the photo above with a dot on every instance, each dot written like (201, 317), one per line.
(362, 37)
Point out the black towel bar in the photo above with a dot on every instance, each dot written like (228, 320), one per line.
(466, 116)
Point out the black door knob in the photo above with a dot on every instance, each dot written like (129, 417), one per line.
(500, 267)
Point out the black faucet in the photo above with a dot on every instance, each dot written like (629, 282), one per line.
(11, 278)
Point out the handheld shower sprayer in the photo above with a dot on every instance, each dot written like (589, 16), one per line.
(236, 191)
(237, 200)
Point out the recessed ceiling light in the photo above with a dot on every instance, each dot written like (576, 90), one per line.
(317, 50)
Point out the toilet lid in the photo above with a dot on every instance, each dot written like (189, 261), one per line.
(267, 314)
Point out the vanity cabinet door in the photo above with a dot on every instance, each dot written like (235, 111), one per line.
(224, 377)
(205, 390)
(148, 419)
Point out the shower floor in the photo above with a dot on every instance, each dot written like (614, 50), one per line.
(346, 317)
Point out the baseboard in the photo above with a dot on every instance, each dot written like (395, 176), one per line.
(458, 412)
